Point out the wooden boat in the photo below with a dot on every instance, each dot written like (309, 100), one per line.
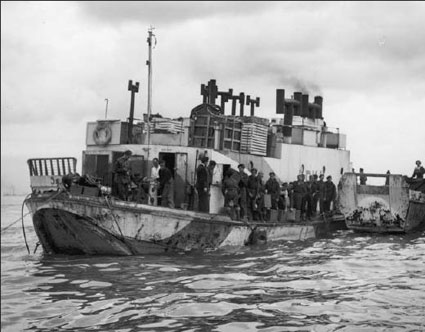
(398, 206)
(88, 220)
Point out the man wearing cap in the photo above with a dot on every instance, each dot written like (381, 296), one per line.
(243, 183)
(330, 194)
(202, 185)
(252, 190)
(166, 185)
(419, 171)
(122, 176)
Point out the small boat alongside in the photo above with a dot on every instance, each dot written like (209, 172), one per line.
(398, 206)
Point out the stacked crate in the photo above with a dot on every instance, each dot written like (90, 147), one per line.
(254, 136)
(165, 125)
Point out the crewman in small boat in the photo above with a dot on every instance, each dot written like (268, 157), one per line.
(330, 194)
(122, 175)
(166, 185)
(419, 171)
(202, 185)
(362, 178)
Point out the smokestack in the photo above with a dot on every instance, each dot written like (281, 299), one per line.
(304, 106)
(280, 101)
(287, 120)
(298, 97)
(319, 101)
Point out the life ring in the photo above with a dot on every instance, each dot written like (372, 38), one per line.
(102, 135)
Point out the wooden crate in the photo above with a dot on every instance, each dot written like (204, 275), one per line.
(76, 189)
(91, 191)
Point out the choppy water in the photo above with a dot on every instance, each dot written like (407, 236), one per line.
(346, 283)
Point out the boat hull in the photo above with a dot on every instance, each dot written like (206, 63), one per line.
(71, 224)
(381, 209)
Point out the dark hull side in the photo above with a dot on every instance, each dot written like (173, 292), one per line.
(70, 224)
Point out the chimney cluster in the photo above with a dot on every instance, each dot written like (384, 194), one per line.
(210, 93)
(299, 105)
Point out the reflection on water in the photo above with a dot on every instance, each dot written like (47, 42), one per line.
(349, 282)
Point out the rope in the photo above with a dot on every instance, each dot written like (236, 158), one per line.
(7, 227)
(23, 227)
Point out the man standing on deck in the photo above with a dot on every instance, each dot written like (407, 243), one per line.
(202, 185)
(122, 176)
(330, 194)
(153, 185)
(166, 186)
(321, 189)
(243, 183)
(252, 191)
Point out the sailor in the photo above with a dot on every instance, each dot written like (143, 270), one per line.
(273, 188)
(243, 183)
(363, 177)
(155, 169)
(202, 185)
(166, 185)
(330, 194)
(153, 183)
(314, 194)
(321, 189)
(299, 192)
(211, 166)
(260, 213)
(419, 171)
(252, 191)
(122, 175)
(230, 190)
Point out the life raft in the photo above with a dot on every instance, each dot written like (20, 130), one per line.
(102, 135)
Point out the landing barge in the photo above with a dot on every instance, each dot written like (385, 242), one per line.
(88, 220)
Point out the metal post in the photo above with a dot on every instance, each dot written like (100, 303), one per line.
(106, 109)
(149, 63)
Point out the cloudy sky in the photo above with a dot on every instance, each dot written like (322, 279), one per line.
(60, 60)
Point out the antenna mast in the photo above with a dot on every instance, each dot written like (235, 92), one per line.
(149, 63)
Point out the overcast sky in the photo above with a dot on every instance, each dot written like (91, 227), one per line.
(60, 60)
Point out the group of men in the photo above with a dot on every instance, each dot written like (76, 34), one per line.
(250, 198)
(131, 187)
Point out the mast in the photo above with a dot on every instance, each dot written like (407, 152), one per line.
(149, 63)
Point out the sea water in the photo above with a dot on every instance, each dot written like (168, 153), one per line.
(348, 282)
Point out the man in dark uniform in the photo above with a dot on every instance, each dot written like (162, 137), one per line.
(230, 190)
(166, 186)
(330, 194)
(202, 185)
(321, 188)
(299, 193)
(252, 190)
(243, 183)
(122, 176)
